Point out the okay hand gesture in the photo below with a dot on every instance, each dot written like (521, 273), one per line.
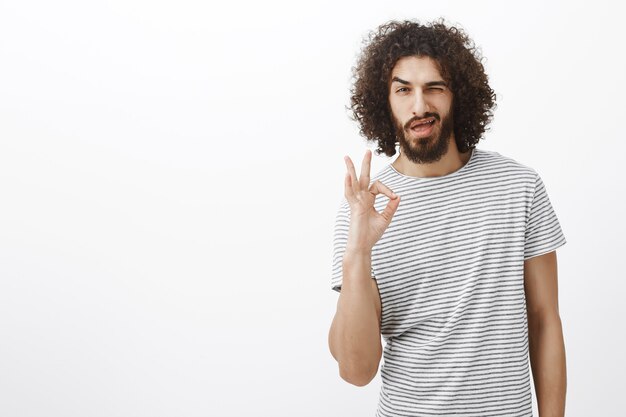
(366, 224)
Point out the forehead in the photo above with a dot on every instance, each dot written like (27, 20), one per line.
(416, 69)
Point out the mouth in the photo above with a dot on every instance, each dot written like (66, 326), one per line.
(424, 127)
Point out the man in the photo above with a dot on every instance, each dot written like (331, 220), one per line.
(455, 263)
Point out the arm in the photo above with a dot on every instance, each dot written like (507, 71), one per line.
(354, 337)
(545, 335)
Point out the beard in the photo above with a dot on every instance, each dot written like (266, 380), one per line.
(425, 149)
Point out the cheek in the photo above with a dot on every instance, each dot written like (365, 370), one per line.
(394, 106)
(396, 111)
(444, 104)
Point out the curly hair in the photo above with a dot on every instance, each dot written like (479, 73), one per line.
(460, 65)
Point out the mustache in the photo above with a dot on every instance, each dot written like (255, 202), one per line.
(408, 124)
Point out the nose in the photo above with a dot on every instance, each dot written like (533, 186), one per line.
(419, 106)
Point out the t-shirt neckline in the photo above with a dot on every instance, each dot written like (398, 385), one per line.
(458, 171)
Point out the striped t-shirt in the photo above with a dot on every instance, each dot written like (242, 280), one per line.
(450, 272)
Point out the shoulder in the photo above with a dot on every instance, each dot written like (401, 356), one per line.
(496, 158)
(507, 168)
(342, 214)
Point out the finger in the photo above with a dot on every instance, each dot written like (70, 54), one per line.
(352, 172)
(390, 209)
(378, 187)
(365, 170)
(348, 191)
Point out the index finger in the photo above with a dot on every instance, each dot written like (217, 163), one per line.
(354, 181)
(364, 180)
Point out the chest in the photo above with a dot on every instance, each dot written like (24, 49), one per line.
(450, 253)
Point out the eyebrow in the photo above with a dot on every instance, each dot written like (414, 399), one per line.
(428, 84)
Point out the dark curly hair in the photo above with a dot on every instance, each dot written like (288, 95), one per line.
(460, 65)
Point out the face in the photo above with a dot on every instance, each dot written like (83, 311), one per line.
(419, 93)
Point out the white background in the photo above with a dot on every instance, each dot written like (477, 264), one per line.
(170, 173)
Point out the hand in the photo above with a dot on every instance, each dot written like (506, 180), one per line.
(366, 224)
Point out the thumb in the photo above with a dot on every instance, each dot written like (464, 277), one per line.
(391, 208)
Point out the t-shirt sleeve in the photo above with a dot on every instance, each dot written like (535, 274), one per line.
(543, 230)
(340, 239)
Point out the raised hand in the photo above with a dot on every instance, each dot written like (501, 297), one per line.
(366, 224)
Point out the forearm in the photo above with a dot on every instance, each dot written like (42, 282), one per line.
(547, 358)
(354, 337)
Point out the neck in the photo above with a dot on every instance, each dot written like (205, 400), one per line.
(451, 161)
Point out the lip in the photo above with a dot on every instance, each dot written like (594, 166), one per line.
(423, 132)
(419, 122)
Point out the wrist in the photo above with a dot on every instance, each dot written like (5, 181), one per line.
(355, 254)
